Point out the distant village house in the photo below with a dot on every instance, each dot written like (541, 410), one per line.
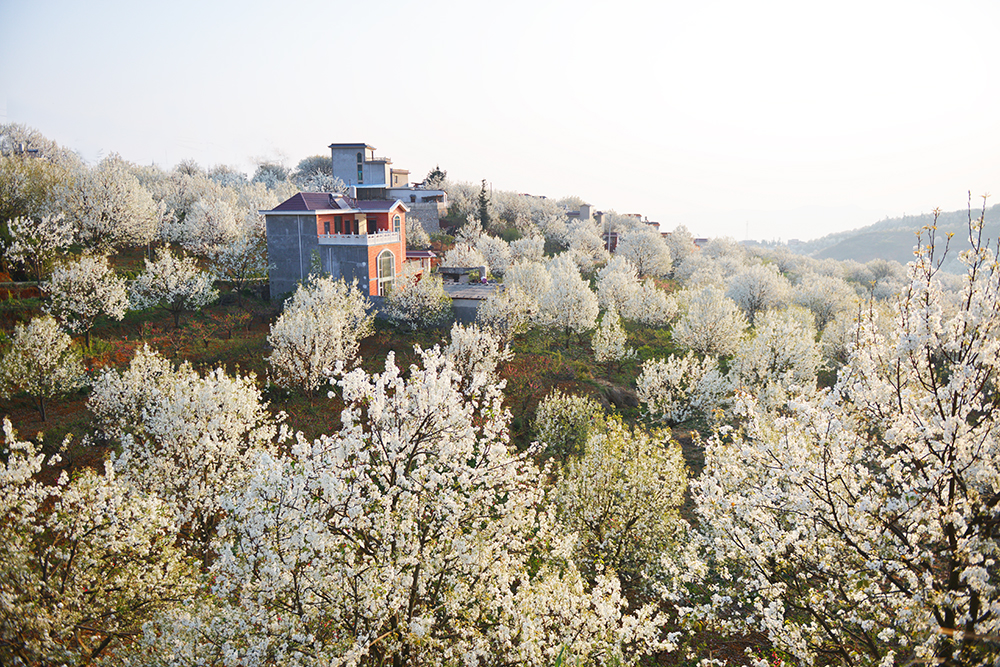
(358, 240)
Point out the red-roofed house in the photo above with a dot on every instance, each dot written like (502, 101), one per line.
(363, 241)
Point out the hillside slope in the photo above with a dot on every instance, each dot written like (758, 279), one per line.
(895, 238)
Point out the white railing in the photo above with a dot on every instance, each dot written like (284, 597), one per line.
(359, 239)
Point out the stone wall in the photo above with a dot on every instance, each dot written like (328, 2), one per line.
(429, 214)
(292, 243)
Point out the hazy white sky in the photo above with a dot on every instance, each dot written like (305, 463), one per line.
(784, 119)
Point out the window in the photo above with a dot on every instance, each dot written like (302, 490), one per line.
(326, 226)
(396, 221)
(338, 224)
(386, 265)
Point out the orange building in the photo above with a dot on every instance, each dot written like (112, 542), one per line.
(362, 241)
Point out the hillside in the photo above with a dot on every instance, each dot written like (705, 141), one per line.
(894, 238)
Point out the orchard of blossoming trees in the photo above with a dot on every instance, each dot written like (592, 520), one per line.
(806, 471)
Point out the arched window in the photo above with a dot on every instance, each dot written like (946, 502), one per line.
(386, 265)
(396, 222)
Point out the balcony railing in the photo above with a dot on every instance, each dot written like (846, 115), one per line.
(359, 239)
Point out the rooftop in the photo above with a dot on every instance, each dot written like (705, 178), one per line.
(469, 291)
(312, 201)
(328, 201)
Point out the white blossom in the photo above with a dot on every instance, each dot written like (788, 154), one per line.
(679, 388)
(418, 301)
(617, 283)
(416, 235)
(322, 324)
(81, 290)
(568, 304)
(174, 284)
(34, 242)
(184, 437)
(610, 342)
(781, 353)
(564, 422)
(711, 323)
(585, 244)
(41, 362)
(825, 296)
(757, 288)
(530, 248)
(860, 520)
(475, 354)
(110, 206)
(406, 535)
(241, 260)
(495, 251)
(622, 498)
(83, 563)
(645, 249)
(464, 255)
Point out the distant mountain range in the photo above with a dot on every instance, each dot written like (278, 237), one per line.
(895, 238)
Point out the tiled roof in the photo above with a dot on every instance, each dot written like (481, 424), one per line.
(325, 201)
(376, 204)
(311, 201)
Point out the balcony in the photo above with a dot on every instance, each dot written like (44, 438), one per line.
(359, 239)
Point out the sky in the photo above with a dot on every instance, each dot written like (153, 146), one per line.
(768, 120)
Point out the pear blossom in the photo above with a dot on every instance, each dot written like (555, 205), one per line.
(569, 304)
(82, 290)
(109, 206)
(83, 562)
(35, 242)
(858, 522)
(173, 283)
(413, 534)
(418, 301)
(645, 248)
(322, 325)
(610, 342)
(41, 362)
(711, 323)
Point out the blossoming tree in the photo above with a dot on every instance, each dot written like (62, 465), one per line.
(322, 324)
(563, 422)
(711, 323)
(568, 304)
(183, 436)
(859, 525)
(414, 535)
(173, 283)
(646, 250)
(41, 362)
(84, 562)
(623, 496)
(82, 290)
(35, 242)
(610, 342)
(109, 205)
(418, 301)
